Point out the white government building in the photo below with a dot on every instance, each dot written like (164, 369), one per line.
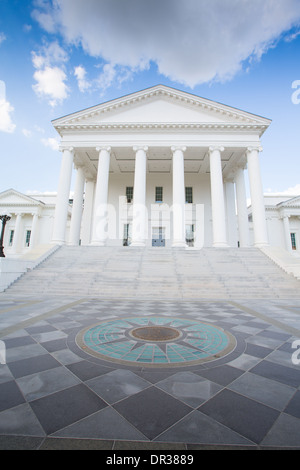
(159, 167)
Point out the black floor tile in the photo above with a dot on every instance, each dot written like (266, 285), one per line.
(222, 375)
(293, 408)
(270, 370)
(63, 408)
(10, 395)
(55, 345)
(152, 411)
(20, 341)
(257, 351)
(243, 415)
(32, 365)
(274, 335)
(86, 370)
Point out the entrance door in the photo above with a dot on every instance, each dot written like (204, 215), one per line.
(158, 236)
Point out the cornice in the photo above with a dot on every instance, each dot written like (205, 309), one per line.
(169, 126)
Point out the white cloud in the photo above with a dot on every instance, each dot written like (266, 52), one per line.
(51, 142)
(6, 123)
(44, 14)
(293, 191)
(6, 110)
(107, 76)
(50, 75)
(192, 42)
(51, 84)
(80, 74)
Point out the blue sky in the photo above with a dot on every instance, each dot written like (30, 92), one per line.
(61, 56)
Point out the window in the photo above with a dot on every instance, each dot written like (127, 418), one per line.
(293, 240)
(129, 194)
(11, 237)
(158, 194)
(28, 235)
(189, 195)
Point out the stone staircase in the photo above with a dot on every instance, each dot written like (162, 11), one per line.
(158, 273)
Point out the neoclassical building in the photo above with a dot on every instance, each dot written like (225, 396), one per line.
(283, 221)
(31, 220)
(160, 167)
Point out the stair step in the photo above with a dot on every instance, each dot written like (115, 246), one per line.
(158, 273)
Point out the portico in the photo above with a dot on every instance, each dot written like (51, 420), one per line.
(160, 161)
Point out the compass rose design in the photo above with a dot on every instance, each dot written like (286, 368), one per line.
(156, 341)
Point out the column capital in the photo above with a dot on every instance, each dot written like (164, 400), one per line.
(258, 148)
(284, 215)
(213, 148)
(136, 148)
(62, 148)
(179, 147)
(229, 178)
(107, 148)
(239, 167)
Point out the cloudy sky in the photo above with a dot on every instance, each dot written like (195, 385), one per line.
(61, 56)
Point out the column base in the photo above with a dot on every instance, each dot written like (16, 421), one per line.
(58, 242)
(179, 244)
(97, 243)
(220, 245)
(141, 244)
(261, 245)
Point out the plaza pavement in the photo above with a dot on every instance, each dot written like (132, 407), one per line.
(53, 395)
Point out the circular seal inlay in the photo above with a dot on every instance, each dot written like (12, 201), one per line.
(155, 333)
(156, 341)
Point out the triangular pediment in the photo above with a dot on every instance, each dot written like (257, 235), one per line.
(11, 197)
(160, 105)
(293, 202)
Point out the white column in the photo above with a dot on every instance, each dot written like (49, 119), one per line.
(241, 203)
(17, 234)
(178, 197)
(34, 229)
(63, 194)
(139, 233)
(287, 233)
(87, 212)
(217, 198)
(257, 198)
(231, 224)
(77, 208)
(100, 229)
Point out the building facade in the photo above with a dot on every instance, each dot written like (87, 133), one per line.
(283, 221)
(160, 167)
(31, 221)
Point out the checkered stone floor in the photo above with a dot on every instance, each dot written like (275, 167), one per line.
(52, 389)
